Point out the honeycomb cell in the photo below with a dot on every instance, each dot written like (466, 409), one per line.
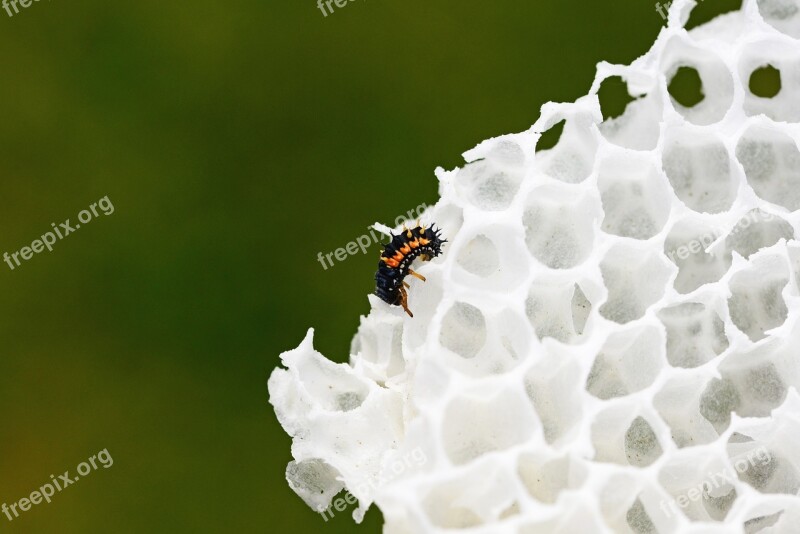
(628, 362)
(698, 167)
(689, 246)
(695, 334)
(756, 230)
(633, 192)
(479, 257)
(715, 78)
(635, 280)
(572, 159)
(641, 444)
(771, 162)
(557, 230)
(783, 15)
(488, 186)
(463, 330)
(557, 310)
(756, 304)
(476, 425)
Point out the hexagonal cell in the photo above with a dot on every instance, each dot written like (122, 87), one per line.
(701, 486)
(718, 502)
(315, 481)
(688, 245)
(638, 126)
(641, 444)
(784, 61)
(717, 82)
(783, 15)
(763, 469)
(756, 304)
(771, 163)
(489, 259)
(558, 227)
(718, 400)
(760, 378)
(476, 424)
(558, 310)
(698, 167)
(628, 362)
(504, 344)
(620, 437)
(545, 478)
(695, 334)
(478, 496)
(678, 404)
(756, 230)
(572, 159)
(463, 330)
(633, 192)
(488, 186)
(553, 387)
(635, 279)
(479, 257)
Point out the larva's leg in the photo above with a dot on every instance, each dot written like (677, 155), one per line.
(406, 284)
(404, 301)
(416, 275)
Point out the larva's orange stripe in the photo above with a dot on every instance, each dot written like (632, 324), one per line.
(391, 263)
(424, 241)
(413, 244)
(399, 256)
(406, 249)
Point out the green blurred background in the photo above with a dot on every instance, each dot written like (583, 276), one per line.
(236, 140)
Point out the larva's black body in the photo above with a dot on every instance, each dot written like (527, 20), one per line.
(396, 260)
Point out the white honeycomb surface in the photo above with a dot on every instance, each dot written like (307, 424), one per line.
(614, 321)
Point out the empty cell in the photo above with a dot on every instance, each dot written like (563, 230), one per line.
(559, 227)
(480, 495)
(756, 230)
(756, 304)
(678, 404)
(630, 123)
(688, 245)
(553, 388)
(557, 310)
(628, 362)
(545, 479)
(463, 330)
(622, 437)
(718, 400)
(479, 257)
(641, 444)
(633, 194)
(700, 79)
(695, 334)
(488, 186)
(571, 160)
(771, 162)
(771, 69)
(489, 259)
(783, 15)
(635, 280)
(764, 470)
(698, 167)
(475, 425)
(314, 481)
(718, 501)
(759, 386)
